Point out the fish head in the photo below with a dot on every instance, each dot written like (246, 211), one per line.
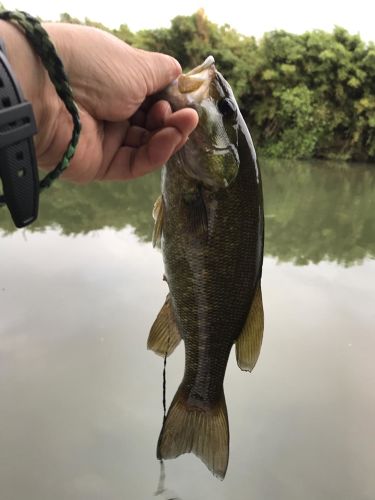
(211, 154)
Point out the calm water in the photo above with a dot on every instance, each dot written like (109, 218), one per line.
(80, 396)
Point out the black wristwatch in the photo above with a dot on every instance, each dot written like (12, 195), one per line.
(18, 166)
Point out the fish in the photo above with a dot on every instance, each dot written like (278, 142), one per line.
(210, 224)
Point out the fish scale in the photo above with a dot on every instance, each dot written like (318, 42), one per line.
(210, 219)
(227, 257)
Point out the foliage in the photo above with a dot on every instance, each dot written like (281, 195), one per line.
(303, 96)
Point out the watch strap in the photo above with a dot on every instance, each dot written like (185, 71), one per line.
(18, 165)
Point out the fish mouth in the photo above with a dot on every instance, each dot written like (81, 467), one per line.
(205, 65)
(197, 81)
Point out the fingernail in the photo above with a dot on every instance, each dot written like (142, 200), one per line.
(177, 70)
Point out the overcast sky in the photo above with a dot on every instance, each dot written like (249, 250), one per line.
(295, 16)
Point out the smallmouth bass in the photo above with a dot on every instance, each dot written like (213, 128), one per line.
(210, 221)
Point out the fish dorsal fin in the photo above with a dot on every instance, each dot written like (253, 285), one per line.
(249, 342)
(158, 215)
(164, 335)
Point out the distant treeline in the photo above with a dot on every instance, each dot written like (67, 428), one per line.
(303, 96)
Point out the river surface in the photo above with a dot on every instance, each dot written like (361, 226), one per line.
(81, 397)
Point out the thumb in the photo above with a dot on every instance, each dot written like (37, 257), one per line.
(158, 70)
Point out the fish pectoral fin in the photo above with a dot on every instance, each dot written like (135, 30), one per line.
(203, 431)
(158, 215)
(164, 335)
(197, 220)
(249, 342)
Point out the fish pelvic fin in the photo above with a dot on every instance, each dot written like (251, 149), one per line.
(164, 335)
(158, 215)
(249, 342)
(198, 430)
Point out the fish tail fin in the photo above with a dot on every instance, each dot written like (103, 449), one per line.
(196, 429)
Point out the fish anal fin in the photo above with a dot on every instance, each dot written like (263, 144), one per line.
(164, 335)
(198, 430)
(249, 343)
(158, 215)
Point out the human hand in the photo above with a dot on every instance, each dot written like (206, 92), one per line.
(121, 136)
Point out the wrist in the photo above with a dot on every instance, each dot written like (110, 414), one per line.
(28, 72)
(34, 82)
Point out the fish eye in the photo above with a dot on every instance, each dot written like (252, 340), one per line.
(227, 107)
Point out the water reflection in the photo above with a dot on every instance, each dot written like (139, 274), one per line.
(81, 398)
(324, 212)
(315, 211)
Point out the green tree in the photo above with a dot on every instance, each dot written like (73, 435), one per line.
(303, 96)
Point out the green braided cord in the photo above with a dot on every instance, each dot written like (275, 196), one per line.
(39, 40)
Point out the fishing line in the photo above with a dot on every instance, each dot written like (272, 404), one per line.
(165, 384)
(161, 485)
